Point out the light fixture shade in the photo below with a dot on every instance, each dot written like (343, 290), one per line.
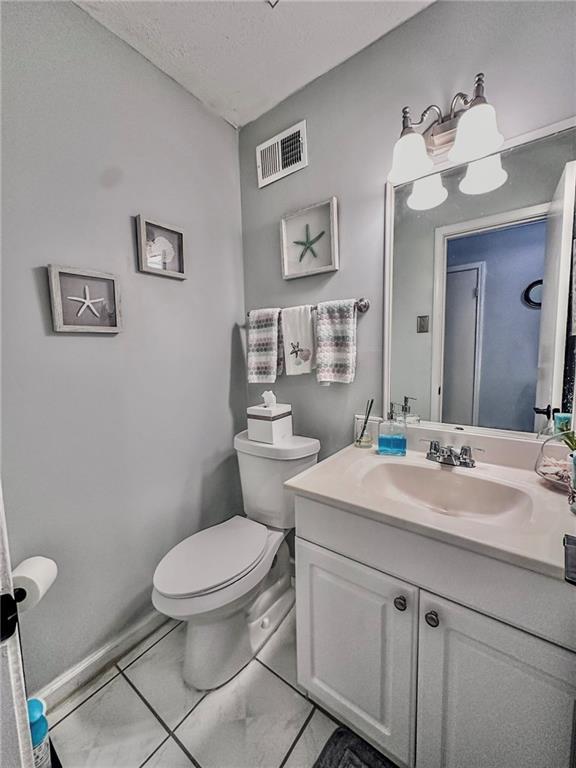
(410, 159)
(428, 192)
(483, 176)
(477, 134)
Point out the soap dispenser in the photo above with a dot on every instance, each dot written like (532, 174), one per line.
(409, 418)
(392, 435)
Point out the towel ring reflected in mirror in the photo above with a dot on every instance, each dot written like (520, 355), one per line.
(527, 295)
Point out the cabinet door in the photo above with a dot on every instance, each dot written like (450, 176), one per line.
(489, 695)
(356, 650)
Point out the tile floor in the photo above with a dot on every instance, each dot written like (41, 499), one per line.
(140, 713)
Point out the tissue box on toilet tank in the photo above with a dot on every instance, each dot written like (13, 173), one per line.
(269, 423)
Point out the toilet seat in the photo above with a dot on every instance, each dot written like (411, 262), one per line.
(212, 559)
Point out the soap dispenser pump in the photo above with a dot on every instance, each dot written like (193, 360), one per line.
(392, 435)
(409, 418)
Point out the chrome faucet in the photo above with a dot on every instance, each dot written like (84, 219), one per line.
(447, 454)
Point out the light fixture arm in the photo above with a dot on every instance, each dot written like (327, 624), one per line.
(478, 96)
(407, 124)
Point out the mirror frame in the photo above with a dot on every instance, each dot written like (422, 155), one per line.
(389, 200)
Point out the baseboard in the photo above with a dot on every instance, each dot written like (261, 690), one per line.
(78, 675)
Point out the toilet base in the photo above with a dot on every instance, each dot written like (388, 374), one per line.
(219, 644)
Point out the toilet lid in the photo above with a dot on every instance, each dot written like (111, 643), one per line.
(212, 558)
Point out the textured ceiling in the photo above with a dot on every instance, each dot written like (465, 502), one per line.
(242, 58)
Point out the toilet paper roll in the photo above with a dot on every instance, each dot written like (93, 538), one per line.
(36, 575)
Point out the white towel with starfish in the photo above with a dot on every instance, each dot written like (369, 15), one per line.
(298, 330)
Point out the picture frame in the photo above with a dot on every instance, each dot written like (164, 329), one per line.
(84, 300)
(160, 249)
(309, 240)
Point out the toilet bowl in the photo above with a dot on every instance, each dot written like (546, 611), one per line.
(231, 583)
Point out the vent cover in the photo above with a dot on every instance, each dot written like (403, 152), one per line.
(283, 154)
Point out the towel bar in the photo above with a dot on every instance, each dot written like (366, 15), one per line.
(362, 305)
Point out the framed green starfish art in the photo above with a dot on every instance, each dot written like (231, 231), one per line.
(309, 240)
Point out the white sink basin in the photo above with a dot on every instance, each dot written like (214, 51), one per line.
(505, 512)
(449, 492)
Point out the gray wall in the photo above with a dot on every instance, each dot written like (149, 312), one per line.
(114, 448)
(353, 115)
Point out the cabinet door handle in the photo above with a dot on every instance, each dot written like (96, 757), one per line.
(432, 619)
(400, 603)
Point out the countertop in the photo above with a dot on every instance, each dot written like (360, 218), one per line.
(534, 542)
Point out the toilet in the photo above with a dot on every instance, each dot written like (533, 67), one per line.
(231, 583)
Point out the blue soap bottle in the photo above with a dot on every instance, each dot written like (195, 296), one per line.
(39, 733)
(392, 435)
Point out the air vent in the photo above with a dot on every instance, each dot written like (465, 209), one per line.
(283, 154)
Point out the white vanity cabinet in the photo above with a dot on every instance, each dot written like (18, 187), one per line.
(357, 645)
(489, 695)
(432, 683)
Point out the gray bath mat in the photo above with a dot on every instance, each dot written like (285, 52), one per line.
(346, 750)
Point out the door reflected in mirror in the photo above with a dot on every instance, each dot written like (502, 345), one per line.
(482, 326)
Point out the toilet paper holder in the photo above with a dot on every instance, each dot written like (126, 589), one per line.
(9, 612)
(20, 594)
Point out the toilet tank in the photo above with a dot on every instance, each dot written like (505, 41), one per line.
(264, 468)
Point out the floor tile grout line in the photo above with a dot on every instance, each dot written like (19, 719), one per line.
(145, 700)
(187, 715)
(87, 697)
(118, 669)
(162, 743)
(290, 685)
(328, 714)
(186, 751)
(160, 720)
(147, 649)
(297, 739)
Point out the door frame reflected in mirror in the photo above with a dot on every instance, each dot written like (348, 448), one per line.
(438, 299)
(441, 239)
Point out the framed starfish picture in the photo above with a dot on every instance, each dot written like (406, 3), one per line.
(309, 240)
(84, 301)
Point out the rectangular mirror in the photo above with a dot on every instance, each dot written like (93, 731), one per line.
(481, 326)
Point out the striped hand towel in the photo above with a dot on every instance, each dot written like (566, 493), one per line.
(336, 341)
(265, 346)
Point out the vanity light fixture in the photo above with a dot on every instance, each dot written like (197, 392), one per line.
(477, 134)
(410, 158)
(467, 134)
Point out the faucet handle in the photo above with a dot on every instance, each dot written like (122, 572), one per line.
(466, 457)
(433, 447)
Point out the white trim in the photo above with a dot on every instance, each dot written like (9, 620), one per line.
(69, 681)
(480, 266)
(389, 197)
(563, 282)
(441, 237)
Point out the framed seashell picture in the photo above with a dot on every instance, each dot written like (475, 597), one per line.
(160, 249)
